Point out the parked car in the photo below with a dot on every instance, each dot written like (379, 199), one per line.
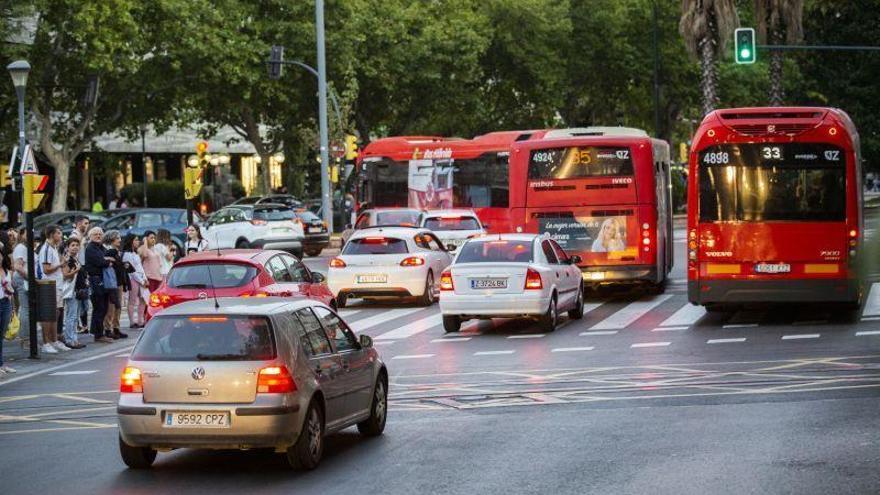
(65, 220)
(453, 227)
(264, 226)
(317, 238)
(511, 276)
(388, 262)
(268, 373)
(402, 217)
(139, 220)
(244, 273)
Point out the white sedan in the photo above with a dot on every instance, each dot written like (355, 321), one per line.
(388, 262)
(453, 227)
(511, 276)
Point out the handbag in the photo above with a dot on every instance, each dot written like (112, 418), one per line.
(109, 278)
(13, 328)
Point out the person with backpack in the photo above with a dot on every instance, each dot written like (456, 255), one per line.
(50, 264)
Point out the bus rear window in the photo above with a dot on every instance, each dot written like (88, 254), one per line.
(577, 162)
(375, 245)
(206, 338)
(496, 251)
(452, 223)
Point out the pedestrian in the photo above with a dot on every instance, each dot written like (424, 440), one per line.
(98, 206)
(114, 203)
(80, 230)
(123, 204)
(96, 261)
(113, 244)
(20, 282)
(73, 285)
(51, 264)
(6, 294)
(138, 295)
(175, 254)
(195, 243)
(150, 260)
(163, 249)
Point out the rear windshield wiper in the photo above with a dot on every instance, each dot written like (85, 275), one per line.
(219, 357)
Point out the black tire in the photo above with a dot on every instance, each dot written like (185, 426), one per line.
(427, 298)
(550, 319)
(136, 457)
(242, 244)
(848, 312)
(313, 252)
(578, 312)
(451, 323)
(658, 288)
(375, 424)
(306, 453)
(719, 308)
(341, 301)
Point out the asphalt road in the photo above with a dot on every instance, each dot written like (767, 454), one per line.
(645, 394)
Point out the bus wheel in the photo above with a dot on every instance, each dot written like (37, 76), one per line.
(658, 288)
(719, 308)
(848, 312)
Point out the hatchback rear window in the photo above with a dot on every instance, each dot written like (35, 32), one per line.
(308, 216)
(210, 275)
(406, 218)
(273, 214)
(452, 223)
(375, 245)
(496, 251)
(206, 338)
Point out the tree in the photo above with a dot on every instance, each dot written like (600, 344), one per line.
(706, 26)
(778, 22)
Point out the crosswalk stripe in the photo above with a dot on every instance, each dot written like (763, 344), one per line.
(382, 317)
(686, 316)
(872, 304)
(725, 341)
(868, 332)
(451, 339)
(69, 373)
(650, 344)
(527, 336)
(601, 332)
(413, 356)
(493, 353)
(348, 313)
(801, 336)
(630, 313)
(572, 349)
(413, 328)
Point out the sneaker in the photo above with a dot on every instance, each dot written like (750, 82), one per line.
(2, 373)
(49, 349)
(119, 335)
(8, 369)
(61, 347)
(72, 345)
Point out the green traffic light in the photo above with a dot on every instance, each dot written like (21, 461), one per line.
(745, 54)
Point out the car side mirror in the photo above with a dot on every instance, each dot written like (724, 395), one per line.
(451, 248)
(366, 341)
(574, 259)
(317, 277)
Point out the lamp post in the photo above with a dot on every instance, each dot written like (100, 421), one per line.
(326, 203)
(19, 71)
(143, 130)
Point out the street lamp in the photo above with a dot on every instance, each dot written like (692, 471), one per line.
(19, 71)
(143, 130)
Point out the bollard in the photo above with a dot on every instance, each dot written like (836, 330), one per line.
(46, 302)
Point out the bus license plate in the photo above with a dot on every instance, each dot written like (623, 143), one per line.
(772, 268)
(196, 419)
(489, 283)
(372, 279)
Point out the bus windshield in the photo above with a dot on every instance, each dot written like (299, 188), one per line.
(767, 182)
(577, 162)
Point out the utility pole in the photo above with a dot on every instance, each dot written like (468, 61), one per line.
(326, 203)
(656, 73)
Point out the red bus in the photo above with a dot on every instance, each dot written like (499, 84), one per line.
(603, 193)
(774, 208)
(430, 172)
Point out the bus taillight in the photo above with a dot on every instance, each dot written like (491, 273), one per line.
(646, 236)
(692, 247)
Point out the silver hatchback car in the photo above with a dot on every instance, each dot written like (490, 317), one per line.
(251, 373)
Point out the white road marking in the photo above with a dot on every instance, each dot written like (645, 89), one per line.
(725, 341)
(572, 349)
(122, 355)
(493, 353)
(527, 336)
(600, 332)
(740, 325)
(413, 328)
(868, 332)
(68, 373)
(384, 342)
(801, 336)
(670, 329)
(383, 317)
(63, 366)
(451, 339)
(631, 313)
(872, 303)
(413, 356)
(871, 318)
(650, 344)
(686, 316)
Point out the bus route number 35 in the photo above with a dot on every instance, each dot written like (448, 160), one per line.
(717, 158)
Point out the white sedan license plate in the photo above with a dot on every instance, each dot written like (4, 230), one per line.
(489, 283)
(280, 230)
(772, 268)
(196, 419)
(372, 279)
(314, 230)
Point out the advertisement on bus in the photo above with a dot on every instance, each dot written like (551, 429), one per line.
(430, 183)
(590, 234)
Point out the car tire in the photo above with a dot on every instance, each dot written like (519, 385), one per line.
(578, 311)
(549, 320)
(306, 453)
(848, 312)
(341, 301)
(242, 244)
(427, 298)
(451, 323)
(136, 457)
(313, 252)
(375, 424)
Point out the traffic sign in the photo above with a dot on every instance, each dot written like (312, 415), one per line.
(28, 164)
(34, 191)
(13, 161)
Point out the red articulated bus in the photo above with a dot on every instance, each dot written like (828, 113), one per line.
(774, 208)
(603, 193)
(430, 172)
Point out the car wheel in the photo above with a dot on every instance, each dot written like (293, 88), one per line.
(242, 244)
(848, 312)
(313, 252)
(341, 301)
(309, 447)
(451, 323)
(550, 318)
(375, 424)
(427, 298)
(136, 457)
(578, 312)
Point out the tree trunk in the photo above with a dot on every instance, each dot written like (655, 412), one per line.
(708, 75)
(265, 172)
(777, 93)
(62, 179)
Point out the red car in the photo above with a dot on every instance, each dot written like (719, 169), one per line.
(238, 273)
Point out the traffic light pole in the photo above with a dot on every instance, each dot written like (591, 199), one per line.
(326, 204)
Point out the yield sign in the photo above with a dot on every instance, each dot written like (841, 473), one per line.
(28, 164)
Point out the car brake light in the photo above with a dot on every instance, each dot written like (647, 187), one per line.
(255, 293)
(337, 263)
(131, 382)
(412, 261)
(159, 300)
(533, 280)
(259, 222)
(275, 380)
(446, 282)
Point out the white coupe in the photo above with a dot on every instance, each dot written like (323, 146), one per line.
(453, 227)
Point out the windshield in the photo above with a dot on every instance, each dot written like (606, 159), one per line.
(452, 223)
(273, 214)
(206, 338)
(375, 245)
(577, 162)
(223, 275)
(397, 218)
(495, 251)
(766, 182)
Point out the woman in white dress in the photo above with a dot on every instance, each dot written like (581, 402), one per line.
(139, 294)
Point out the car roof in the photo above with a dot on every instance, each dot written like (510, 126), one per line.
(255, 255)
(450, 212)
(391, 231)
(261, 306)
(384, 209)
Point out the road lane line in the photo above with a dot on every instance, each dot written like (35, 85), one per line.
(384, 342)
(670, 329)
(527, 336)
(69, 373)
(872, 303)
(739, 325)
(630, 313)
(122, 355)
(871, 318)
(598, 332)
(801, 336)
(493, 353)
(41, 430)
(725, 341)
(413, 328)
(413, 356)
(868, 332)
(383, 317)
(650, 344)
(7, 381)
(686, 316)
(572, 349)
(451, 339)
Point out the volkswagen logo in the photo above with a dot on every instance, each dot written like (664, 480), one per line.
(203, 295)
(198, 373)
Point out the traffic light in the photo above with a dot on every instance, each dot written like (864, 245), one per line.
(5, 178)
(276, 59)
(744, 46)
(34, 191)
(351, 147)
(201, 149)
(192, 182)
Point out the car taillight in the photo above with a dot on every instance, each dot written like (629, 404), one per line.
(160, 300)
(259, 222)
(131, 382)
(446, 281)
(533, 280)
(256, 293)
(337, 263)
(412, 261)
(275, 380)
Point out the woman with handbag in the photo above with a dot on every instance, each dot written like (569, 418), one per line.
(97, 265)
(137, 306)
(6, 293)
(113, 243)
(72, 272)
